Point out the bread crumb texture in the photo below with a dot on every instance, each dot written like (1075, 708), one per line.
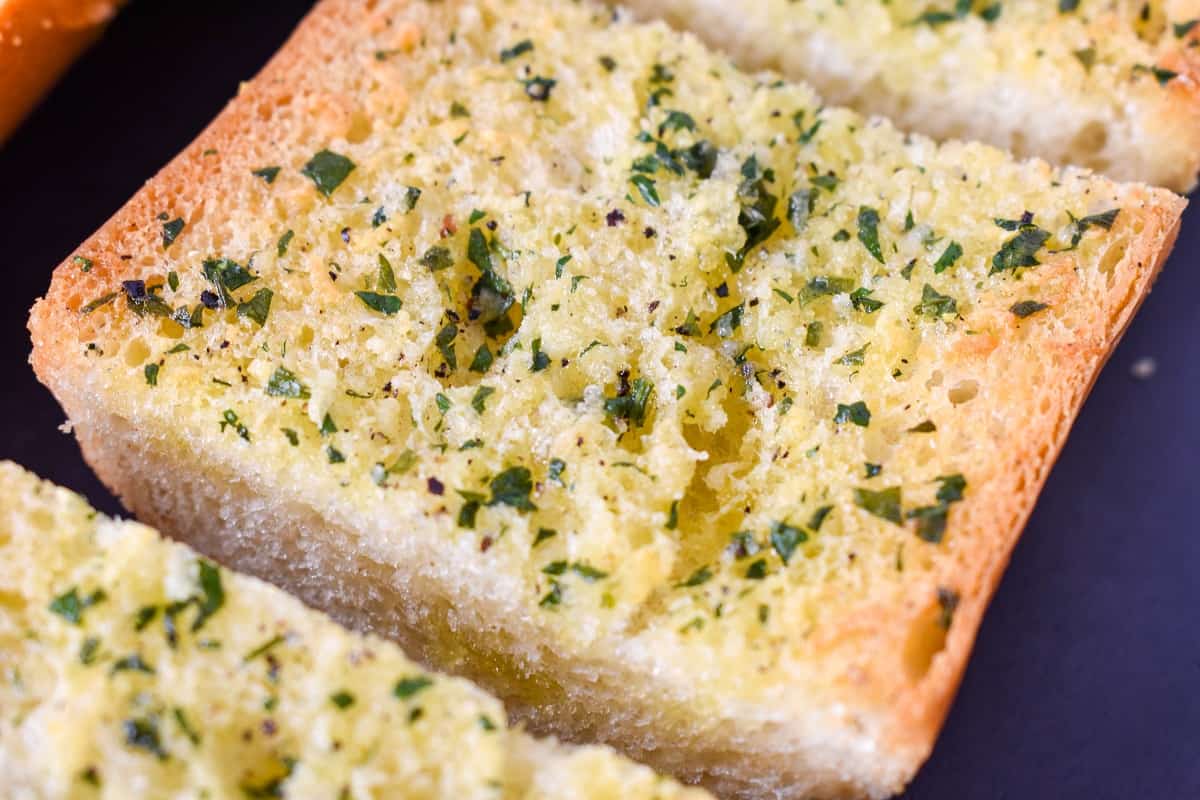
(1109, 84)
(130, 667)
(706, 413)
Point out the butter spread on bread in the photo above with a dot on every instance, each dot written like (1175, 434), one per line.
(685, 412)
(1108, 84)
(131, 667)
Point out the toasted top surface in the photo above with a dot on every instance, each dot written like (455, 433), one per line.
(707, 372)
(1108, 84)
(130, 667)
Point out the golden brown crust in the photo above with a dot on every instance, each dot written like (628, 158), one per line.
(38, 41)
(998, 519)
(995, 515)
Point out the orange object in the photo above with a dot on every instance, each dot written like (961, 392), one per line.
(38, 41)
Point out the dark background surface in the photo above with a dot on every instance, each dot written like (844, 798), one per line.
(1085, 682)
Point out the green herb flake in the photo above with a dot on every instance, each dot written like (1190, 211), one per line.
(756, 215)
(328, 170)
(934, 304)
(555, 471)
(264, 648)
(785, 539)
(404, 463)
(281, 247)
(328, 426)
(437, 258)
(479, 401)
(727, 323)
(268, 174)
(385, 304)
(631, 403)
(818, 518)
(812, 334)
(854, 358)
(70, 605)
(868, 231)
(342, 699)
(411, 195)
(89, 650)
(857, 412)
(284, 383)
(519, 49)
(1026, 308)
(673, 516)
(131, 663)
(552, 597)
(540, 359)
(406, 688)
(142, 733)
(512, 488)
(151, 373)
(538, 88)
(212, 595)
(387, 277)
(482, 360)
(646, 188)
(171, 231)
(182, 721)
(948, 258)
(757, 570)
(257, 307)
(588, 572)
(1020, 250)
(699, 577)
(861, 300)
(948, 602)
(884, 504)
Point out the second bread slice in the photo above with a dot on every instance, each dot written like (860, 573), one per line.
(132, 668)
(1109, 84)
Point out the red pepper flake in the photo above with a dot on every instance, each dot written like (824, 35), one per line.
(448, 226)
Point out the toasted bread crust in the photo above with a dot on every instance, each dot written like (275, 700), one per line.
(39, 39)
(453, 620)
(919, 713)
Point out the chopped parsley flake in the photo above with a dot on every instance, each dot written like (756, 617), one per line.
(268, 174)
(328, 170)
(171, 231)
(408, 687)
(386, 304)
(856, 412)
(884, 504)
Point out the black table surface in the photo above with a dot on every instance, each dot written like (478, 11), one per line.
(1085, 681)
